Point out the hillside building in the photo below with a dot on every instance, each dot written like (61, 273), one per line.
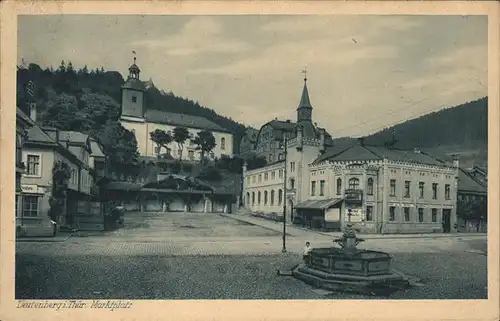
(388, 190)
(136, 117)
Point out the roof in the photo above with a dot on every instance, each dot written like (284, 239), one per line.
(364, 153)
(318, 204)
(480, 169)
(164, 117)
(282, 125)
(467, 184)
(96, 149)
(73, 137)
(251, 134)
(123, 186)
(133, 83)
(36, 134)
(304, 100)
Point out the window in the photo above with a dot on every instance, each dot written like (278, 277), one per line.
(370, 186)
(191, 142)
(223, 143)
(280, 173)
(292, 167)
(407, 214)
(253, 198)
(134, 99)
(321, 188)
(258, 198)
(273, 175)
(292, 183)
(313, 188)
(191, 154)
(272, 197)
(407, 188)
(434, 215)
(253, 179)
(265, 197)
(30, 206)
(260, 178)
(248, 198)
(339, 186)
(354, 183)
(393, 187)
(270, 158)
(421, 189)
(17, 205)
(369, 213)
(447, 191)
(392, 213)
(280, 197)
(420, 215)
(157, 149)
(434, 191)
(33, 165)
(266, 176)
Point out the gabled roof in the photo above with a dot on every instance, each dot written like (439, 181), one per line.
(73, 137)
(96, 149)
(468, 184)
(364, 153)
(37, 135)
(164, 117)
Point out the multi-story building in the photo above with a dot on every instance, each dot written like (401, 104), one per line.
(269, 143)
(23, 123)
(43, 148)
(136, 117)
(247, 143)
(386, 190)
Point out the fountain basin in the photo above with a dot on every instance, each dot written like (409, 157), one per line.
(363, 263)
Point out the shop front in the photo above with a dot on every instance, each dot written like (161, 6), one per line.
(32, 207)
(320, 214)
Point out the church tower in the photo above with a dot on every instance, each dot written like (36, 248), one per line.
(304, 111)
(133, 94)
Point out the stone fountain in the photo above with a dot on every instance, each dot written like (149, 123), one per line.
(349, 269)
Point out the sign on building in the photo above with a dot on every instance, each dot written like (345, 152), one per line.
(356, 215)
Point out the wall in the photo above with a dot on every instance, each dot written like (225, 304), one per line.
(130, 108)
(252, 184)
(146, 146)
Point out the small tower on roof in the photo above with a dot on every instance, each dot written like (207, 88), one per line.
(304, 110)
(133, 90)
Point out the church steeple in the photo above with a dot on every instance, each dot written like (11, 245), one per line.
(304, 111)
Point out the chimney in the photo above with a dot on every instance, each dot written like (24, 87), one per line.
(416, 150)
(361, 141)
(321, 140)
(245, 165)
(288, 120)
(299, 137)
(32, 107)
(456, 160)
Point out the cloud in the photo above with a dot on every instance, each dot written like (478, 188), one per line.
(198, 36)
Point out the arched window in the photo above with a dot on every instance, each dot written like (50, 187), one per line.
(253, 198)
(265, 197)
(370, 186)
(222, 143)
(339, 185)
(272, 197)
(354, 183)
(280, 197)
(248, 198)
(258, 198)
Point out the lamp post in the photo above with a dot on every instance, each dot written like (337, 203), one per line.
(285, 141)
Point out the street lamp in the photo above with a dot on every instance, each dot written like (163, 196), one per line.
(285, 141)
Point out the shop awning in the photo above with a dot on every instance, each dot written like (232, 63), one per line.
(318, 204)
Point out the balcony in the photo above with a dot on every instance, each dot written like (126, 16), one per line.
(353, 195)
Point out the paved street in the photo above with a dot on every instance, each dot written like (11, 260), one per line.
(211, 256)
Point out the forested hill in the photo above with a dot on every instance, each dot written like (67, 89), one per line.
(66, 79)
(461, 128)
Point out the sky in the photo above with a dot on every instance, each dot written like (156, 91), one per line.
(365, 72)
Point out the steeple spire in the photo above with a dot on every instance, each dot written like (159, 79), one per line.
(304, 110)
(134, 70)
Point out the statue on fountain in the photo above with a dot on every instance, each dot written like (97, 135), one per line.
(349, 240)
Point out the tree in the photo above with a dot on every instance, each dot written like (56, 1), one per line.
(205, 142)
(119, 144)
(255, 162)
(181, 134)
(161, 139)
(62, 112)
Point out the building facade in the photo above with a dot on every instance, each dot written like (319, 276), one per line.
(386, 190)
(136, 117)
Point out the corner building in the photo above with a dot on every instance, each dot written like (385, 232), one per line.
(388, 190)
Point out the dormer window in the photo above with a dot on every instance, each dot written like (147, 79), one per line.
(134, 99)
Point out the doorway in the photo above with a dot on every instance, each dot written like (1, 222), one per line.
(446, 220)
